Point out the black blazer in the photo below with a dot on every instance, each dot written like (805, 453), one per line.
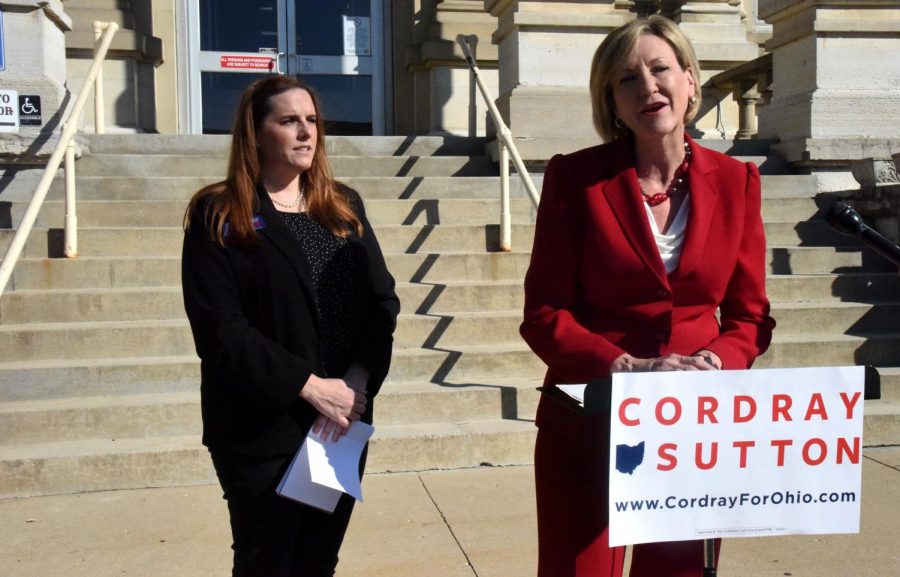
(255, 327)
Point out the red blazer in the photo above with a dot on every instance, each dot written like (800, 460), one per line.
(597, 287)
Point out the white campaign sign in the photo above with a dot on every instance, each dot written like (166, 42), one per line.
(695, 455)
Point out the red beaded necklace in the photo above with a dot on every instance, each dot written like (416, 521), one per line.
(675, 186)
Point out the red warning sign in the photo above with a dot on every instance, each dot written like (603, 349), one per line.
(246, 62)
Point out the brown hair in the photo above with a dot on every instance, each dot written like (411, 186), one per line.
(233, 200)
(616, 48)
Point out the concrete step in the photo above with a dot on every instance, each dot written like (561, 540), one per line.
(58, 378)
(91, 305)
(110, 272)
(178, 413)
(155, 213)
(890, 383)
(110, 339)
(166, 187)
(461, 328)
(446, 321)
(122, 241)
(861, 287)
(140, 213)
(105, 464)
(208, 144)
(805, 233)
(95, 272)
(215, 167)
(83, 311)
(107, 417)
(881, 424)
(836, 318)
(825, 350)
(113, 271)
(865, 302)
(68, 306)
(167, 240)
(168, 338)
(370, 187)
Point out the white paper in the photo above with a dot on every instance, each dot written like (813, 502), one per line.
(321, 471)
(574, 391)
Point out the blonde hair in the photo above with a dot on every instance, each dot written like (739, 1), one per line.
(233, 200)
(615, 49)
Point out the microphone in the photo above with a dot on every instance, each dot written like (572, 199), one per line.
(844, 219)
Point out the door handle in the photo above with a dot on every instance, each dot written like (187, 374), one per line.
(276, 64)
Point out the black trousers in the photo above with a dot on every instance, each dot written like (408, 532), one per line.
(273, 536)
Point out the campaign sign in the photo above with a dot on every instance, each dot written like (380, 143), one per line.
(702, 454)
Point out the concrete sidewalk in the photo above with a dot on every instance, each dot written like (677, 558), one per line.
(460, 523)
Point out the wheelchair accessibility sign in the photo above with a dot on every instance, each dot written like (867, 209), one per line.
(29, 110)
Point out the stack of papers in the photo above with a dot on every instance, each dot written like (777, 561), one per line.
(574, 391)
(322, 470)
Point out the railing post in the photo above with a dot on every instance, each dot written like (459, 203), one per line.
(99, 104)
(70, 248)
(747, 96)
(504, 139)
(14, 250)
(505, 219)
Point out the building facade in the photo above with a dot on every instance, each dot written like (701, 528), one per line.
(816, 76)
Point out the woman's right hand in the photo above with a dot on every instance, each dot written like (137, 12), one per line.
(671, 362)
(334, 400)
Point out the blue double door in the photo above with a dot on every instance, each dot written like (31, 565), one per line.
(333, 45)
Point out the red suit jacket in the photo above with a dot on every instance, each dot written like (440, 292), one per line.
(597, 287)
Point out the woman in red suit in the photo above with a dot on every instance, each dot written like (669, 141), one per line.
(638, 243)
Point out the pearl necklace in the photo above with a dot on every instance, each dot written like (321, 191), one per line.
(290, 205)
(674, 186)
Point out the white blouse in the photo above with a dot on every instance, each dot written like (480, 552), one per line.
(669, 244)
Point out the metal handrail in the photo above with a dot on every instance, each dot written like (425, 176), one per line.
(66, 148)
(506, 145)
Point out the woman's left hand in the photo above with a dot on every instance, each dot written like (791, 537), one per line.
(323, 426)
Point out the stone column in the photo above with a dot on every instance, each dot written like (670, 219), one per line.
(446, 99)
(723, 38)
(35, 65)
(836, 96)
(545, 59)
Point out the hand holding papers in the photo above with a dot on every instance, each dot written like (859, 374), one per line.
(321, 471)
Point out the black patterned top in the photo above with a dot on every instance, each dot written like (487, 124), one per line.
(333, 269)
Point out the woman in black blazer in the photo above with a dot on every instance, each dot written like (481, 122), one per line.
(292, 311)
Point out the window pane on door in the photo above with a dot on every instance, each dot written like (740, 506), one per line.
(323, 33)
(238, 26)
(346, 102)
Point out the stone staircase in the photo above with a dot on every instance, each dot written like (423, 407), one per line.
(98, 376)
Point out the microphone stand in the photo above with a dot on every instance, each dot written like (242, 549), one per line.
(844, 219)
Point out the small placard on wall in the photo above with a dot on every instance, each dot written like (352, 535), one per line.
(30, 110)
(357, 36)
(9, 111)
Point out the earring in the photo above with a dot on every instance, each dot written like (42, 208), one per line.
(692, 99)
(619, 124)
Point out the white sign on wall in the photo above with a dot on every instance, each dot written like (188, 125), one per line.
(696, 455)
(357, 36)
(9, 111)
